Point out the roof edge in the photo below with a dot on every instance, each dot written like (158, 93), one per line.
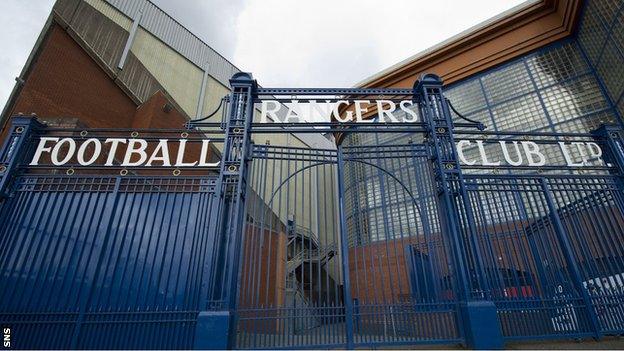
(561, 16)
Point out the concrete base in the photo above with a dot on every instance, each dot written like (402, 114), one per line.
(481, 325)
(212, 329)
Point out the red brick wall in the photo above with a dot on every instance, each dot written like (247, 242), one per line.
(262, 278)
(152, 114)
(66, 82)
(379, 270)
(66, 87)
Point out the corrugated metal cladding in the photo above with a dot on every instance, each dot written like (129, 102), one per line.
(106, 38)
(157, 22)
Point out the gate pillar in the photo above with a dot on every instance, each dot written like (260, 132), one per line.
(477, 314)
(614, 138)
(13, 148)
(216, 324)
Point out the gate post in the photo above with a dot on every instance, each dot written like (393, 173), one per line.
(13, 149)
(477, 313)
(216, 323)
(613, 135)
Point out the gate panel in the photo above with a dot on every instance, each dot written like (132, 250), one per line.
(381, 242)
(49, 254)
(103, 262)
(591, 213)
(290, 288)
(526, 272)
(401, 282)
(150, 273)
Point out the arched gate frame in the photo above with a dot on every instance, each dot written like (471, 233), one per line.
(386, 240)
(494, 256)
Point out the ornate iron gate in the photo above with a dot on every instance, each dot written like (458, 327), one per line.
(93, 258)
(296, 259)
(387, 240)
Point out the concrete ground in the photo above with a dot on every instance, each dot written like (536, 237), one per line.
(333, 331)
(607, 343)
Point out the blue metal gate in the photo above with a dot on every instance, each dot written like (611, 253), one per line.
(296, 258)
(387, 240)
(98, 260)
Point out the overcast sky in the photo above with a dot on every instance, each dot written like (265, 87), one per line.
(314, 43)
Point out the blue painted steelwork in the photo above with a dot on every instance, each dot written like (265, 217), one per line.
(11, 155)
(478, 313)
(344, 254)
(393, 243)
(227, 231)
(490, 293)
(566, 249)
(94, 259)
(86, 256)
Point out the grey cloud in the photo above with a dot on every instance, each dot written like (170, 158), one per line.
(212, 21)
(22, 22)
(324, 43)
(339, 43)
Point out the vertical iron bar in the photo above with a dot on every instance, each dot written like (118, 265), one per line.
(90, 290)
(344, 255)
(568, 253)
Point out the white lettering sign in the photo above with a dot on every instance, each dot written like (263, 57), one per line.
(137, 153)
(389, 111)
(525, 153)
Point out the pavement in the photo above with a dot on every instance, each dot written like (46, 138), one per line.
(607, 343)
